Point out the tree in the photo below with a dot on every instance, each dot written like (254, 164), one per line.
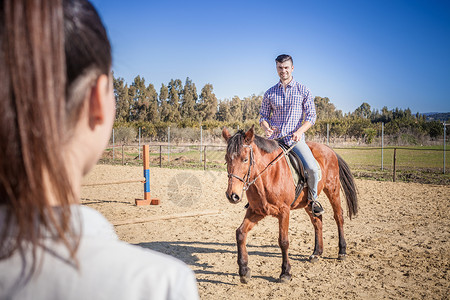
(122, 99)
(176, 85)
(174, 105)
(141, 100)
(326, 110)
(386, 115)
(207, 106)
(152, 110)
(163, 105)
(250, 107)
(236, 109)
(358, 126)
(434, 128)
(370, 134)
(163, 94)
(131, 97)
(188, 101)
(363, 111)
(223, 114)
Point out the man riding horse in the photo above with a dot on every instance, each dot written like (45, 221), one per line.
(287, 112)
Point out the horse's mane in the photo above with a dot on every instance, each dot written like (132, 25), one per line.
(236, 142)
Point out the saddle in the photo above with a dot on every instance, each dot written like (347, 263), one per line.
(297, 170)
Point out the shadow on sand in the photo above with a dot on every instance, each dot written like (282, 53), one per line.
(188, 251)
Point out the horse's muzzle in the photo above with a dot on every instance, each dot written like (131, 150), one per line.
(233, 198)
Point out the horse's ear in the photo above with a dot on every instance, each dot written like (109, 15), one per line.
(226, 135)
(250, 135)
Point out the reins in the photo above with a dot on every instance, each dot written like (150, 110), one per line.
(246, 181)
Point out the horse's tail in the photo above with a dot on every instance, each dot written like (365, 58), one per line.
(348, 186)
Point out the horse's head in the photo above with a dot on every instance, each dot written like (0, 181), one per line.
(239, 159)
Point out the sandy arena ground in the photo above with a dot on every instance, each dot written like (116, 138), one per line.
(398, 246)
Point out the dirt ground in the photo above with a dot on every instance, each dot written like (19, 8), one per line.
(398, 245)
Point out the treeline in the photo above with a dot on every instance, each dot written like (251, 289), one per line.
(180, 105)
(401, 125)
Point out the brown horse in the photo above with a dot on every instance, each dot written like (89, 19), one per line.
(254, 166)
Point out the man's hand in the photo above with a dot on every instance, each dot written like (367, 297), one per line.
(267, 130)
(297, 136)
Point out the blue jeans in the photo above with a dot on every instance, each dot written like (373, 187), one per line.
(309, 164)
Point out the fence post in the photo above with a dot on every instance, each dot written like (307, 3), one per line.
(204, 161)
(201, 141)
(445, 129)
(114, 148)
(139, 143)
(168, 145)
(382, 144)
(328, 134)
(123, 157)
(160, 156)
(395, 160)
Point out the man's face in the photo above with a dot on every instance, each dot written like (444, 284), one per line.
(284, 70)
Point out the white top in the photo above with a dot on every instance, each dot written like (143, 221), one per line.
(108, 268)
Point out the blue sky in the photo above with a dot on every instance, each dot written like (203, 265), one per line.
(390, 53)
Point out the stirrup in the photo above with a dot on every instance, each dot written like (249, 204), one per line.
(316, 208)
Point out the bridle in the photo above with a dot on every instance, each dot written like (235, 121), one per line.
(246, 180)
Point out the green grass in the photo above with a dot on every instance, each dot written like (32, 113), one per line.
(406, 157)
(412, 165)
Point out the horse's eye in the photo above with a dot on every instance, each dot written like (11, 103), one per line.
(245, 160)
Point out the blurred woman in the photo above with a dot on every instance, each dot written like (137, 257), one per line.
(56, 114)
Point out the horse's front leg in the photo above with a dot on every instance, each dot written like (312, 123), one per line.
(318, 236)
(283, 241)
(249, 222)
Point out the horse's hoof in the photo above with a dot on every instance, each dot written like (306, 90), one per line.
(285, 278)
(342, 256)
(313, 258)
(246, 278)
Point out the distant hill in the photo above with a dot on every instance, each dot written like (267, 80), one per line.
(434, 116)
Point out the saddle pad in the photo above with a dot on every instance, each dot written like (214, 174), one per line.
(294, 172)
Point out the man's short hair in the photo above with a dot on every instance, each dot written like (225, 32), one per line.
(284, 57)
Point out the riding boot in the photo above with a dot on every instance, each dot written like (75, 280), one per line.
(314, 206)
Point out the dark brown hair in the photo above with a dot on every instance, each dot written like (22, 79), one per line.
(47, 48)
(284, 57)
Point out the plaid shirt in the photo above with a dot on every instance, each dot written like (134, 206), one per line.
(286, 110)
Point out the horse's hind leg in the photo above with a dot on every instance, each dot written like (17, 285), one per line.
(335, 200)
(249, 222)
(283, 241)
